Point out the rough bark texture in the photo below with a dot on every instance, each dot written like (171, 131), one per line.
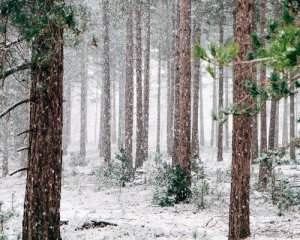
(195, 100)
(43, 186)
(239, 224)
(184, 148)
(129, 85)
(158, 102)
(139, 87)
(176, 151)
(83, 106)
(221, 101)
(106, 85)
(263, 171)
(146, 81)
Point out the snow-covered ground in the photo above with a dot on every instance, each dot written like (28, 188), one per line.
(137, 217)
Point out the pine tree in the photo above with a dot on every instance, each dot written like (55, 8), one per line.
(195, 99)
(146, 81)
(129, 83)
(184, 148)
(139, 86)
(106, 141)
(239, 223)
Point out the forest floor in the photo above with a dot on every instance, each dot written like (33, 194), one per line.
(84, 199)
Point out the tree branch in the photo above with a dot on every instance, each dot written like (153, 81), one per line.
(11, 71)
(19, 170)
(14, 106)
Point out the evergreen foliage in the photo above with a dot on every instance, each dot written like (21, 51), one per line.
(173, 186)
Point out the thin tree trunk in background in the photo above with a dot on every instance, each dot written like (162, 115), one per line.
(114, 114)
(292, 127)
(285, 129)
(195, 100)
(263, 171)
(83, 106)
(276, 136)
(170, 115)
(171, 87)
(221, 101)
(146, 82)
(129, 85)
(272, 124)
(41, 218)
(239, 222)
(67, 119)
(202, 135)
(184, 147)
(5, 139)
(121, 133)
(214, 110)
(158, 102)
(139, 87)
(106, 84)
(226, 105)
(177, 83)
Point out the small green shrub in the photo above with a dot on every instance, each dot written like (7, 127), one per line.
(288, 197)
(116, 172)
(173, 186)
(200, 187)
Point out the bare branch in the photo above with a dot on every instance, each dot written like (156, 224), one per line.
(19, 170)
(11, 71)
(24, 132)
(22, 149)
(13, 107)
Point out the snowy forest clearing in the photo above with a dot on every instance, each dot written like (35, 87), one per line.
(137, 217)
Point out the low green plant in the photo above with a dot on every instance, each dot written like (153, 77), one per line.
(287, 197)
(200, 187)
(117, 172)
(173, 186)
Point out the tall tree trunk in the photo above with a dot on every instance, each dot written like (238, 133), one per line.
(146, 81)
(106, 84)
(184, 148)
(221, 101)
(285, 128)
(263, 171)
(177, 83)
(83, 106)
(195, 101)
(129, 85)
(239, 223)
(139, 87)
(158, 102)
(43, 185)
